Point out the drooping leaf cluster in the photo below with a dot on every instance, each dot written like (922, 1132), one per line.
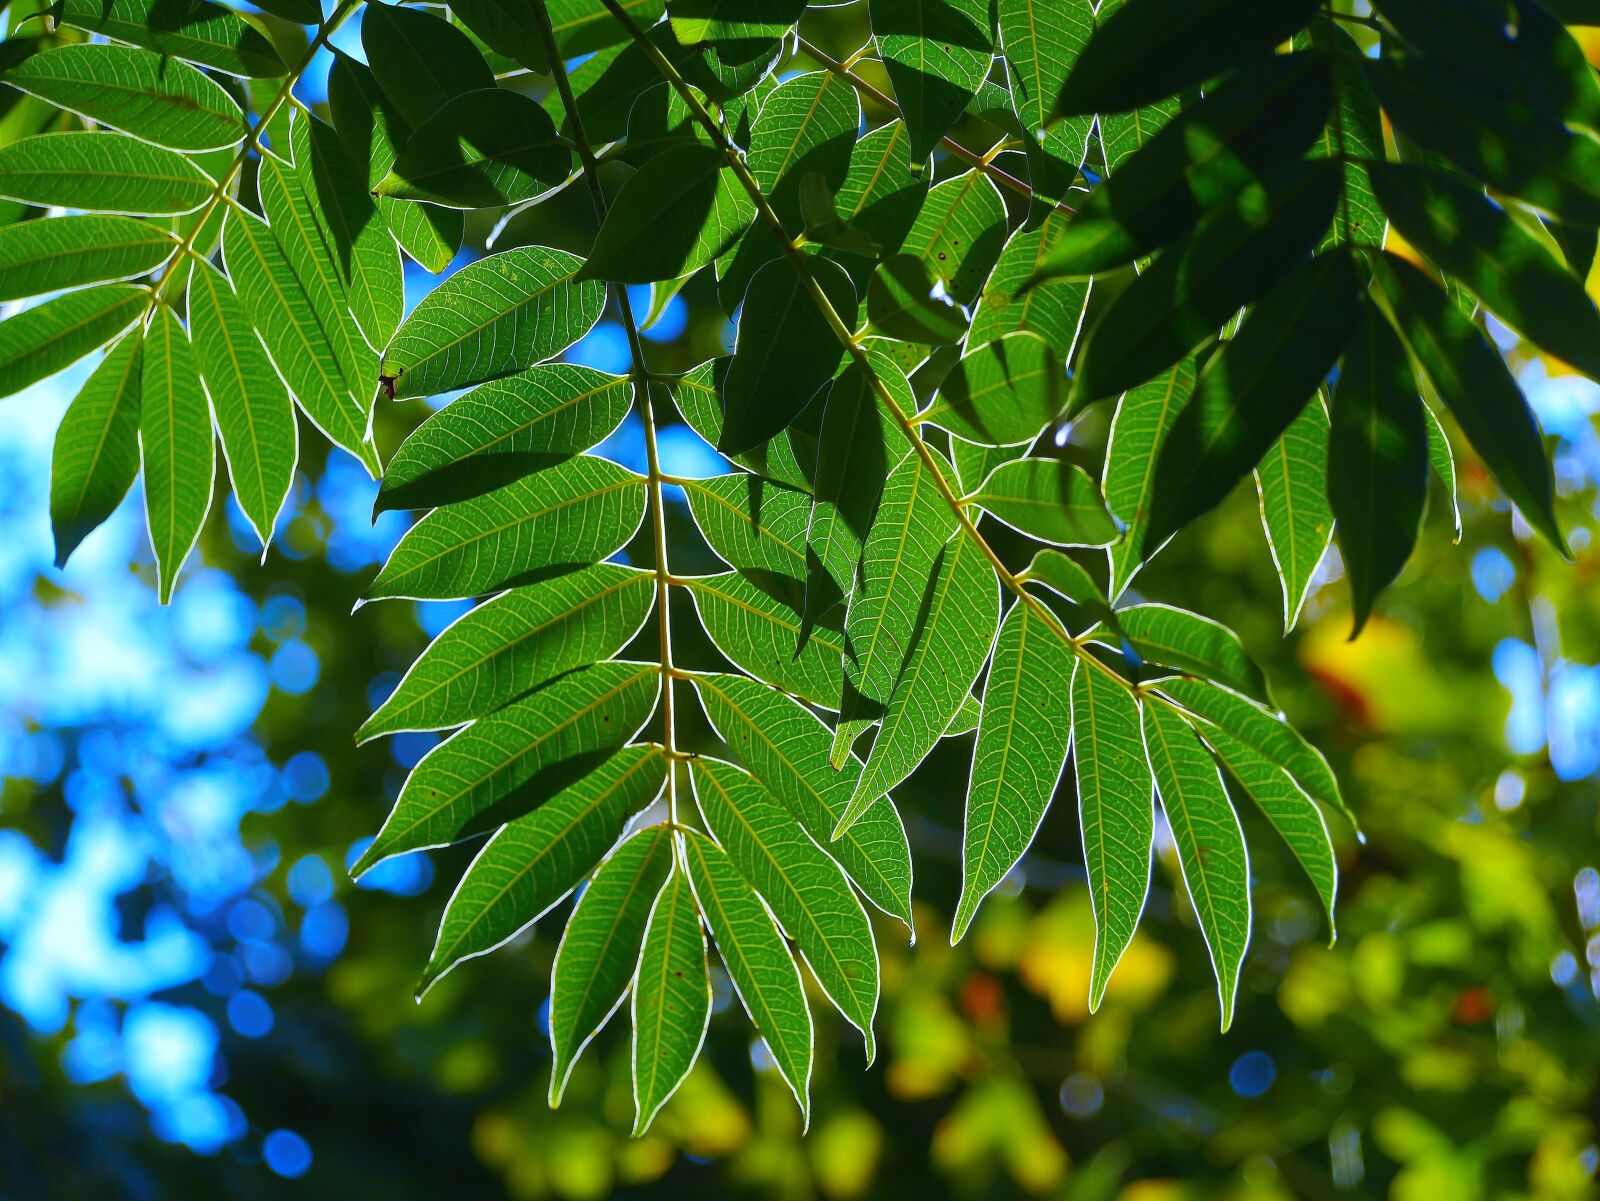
(1192, 210)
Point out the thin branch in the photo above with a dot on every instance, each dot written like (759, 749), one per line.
(983, 162)
(907, 422)
(642, 380)
(252, 144)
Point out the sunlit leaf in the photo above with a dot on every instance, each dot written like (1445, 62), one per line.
(538, 857)
(807, 891)
(758, 961)
(1115, 813)
(197, 30)
(498, 315)
(96, 454)
(1023, 734)
(501, 767)
(178, 450)
(137, 91)
(254, 413)
(101, 172)
(761, 633)
(671, 999)
(1292, 484)
(512, 644)
(600, 946)
(1211, 850)
(40, 341)
(786, 747)
(1047, 499)
(575, 513)
(503, 430)
(1144, 417)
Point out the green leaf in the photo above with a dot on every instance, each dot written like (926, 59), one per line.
(671, 1000)
(1292, 484)
(758, 961)
(1191, 643)
(101, 172)
(1204, 155)
(578, 512)
(1001, 394)
(697, 401)
(959, 234)
(538, 857)
(1472, 379)
(1234, 255)
(373, 132)
(859, 444)
(96, 454)
(880, 195)
(808, 124)
(966, 719)
(673, 216)
(1042, 40)
(1053, 309)
(785, 350)
(298, 229)
(503, 765)
(197, 30)
(1518, 49)
(1444, 463)
(807, 891)
(1264, 732)
(1458, 228)
(737, 31)
(1047, 499)
(1211, 850)
(600, 946)
(504, 27)
(137, 91)
(501, 431)
(1354, 133)
(1144, 417)
(1250, 391)
(582, 26)
(514, 643)
(420, 60)
(1149, 49)
(902, 303)
(178, 449)
(49, 337)
(755, 525)
(498, 315)
(283, 315)
(1052, 569)
(1021, 751)
(1116, 816)
(254, 413)
(937, 53)
(786, 747)
(353, 233)
(953, 631)
(1288, 809)
(1377, 461)
(483, 149)
(55, 253)
(1511, 147)
(760, 633)
(912, 525)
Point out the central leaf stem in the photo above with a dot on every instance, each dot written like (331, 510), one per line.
(642, 398)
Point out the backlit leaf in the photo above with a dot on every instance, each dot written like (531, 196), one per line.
(178, 449)
(600, 946)
(671, 999)
(1047, 499)
(56, 253)
(1001, 394)
(937, 53)
(512, 644)
(96, 454)
(101, 172)
(1144, 417)
(1115, 813)
(1292, 484)
(575, 513)
(1023, 734)
(197, 30)
(1211, 850)
(420, 60)
(760, 633)
(40, 341)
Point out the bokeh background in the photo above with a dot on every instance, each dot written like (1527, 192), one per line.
(196, 1001)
